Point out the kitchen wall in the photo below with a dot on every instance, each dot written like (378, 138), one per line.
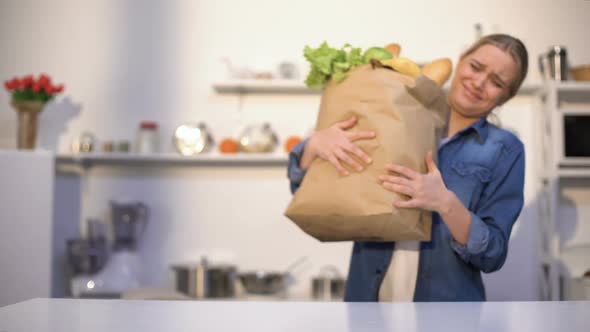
(127, 61)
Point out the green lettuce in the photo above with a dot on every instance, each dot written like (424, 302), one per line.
(378, 53)
(330, 63)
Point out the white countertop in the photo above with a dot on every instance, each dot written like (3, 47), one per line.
(61, 315)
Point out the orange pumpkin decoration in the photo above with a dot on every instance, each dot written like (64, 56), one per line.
(291, 142)
(229, 145)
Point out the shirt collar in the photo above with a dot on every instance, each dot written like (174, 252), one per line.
(480, 127)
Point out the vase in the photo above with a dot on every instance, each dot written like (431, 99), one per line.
(28, 122)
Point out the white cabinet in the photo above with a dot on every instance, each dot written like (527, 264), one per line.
(38, 211)
(562, 253)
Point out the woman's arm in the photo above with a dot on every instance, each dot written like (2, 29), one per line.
(295, 173)
(333, 144)
(428, 191)
(479, 237)
(491, 223)
(456, 217)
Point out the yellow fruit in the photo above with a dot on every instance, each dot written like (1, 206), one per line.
(438, 70)
(394, 49)
(403, 66)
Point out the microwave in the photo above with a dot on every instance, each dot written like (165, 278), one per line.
(571, 139)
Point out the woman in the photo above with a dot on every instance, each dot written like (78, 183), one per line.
(475, 193)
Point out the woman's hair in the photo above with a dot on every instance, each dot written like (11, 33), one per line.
(512, 46)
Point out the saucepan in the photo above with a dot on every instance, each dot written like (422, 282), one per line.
(328, 285)
(204, 280)
(263, 282)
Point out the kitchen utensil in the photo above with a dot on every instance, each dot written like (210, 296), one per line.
(85, 143)
(89, 254)
(123, 146)
(237, 72)
(288, 70)
(129, 223)
(581, 73)
(86, 256)
(122, 270)
(108, 146)
(269, 282)
(190, 139)
(328, 285)
(264, 282)
(258, 138)
(148, 140)
(203, 280)
(554, 64)
(96, 229)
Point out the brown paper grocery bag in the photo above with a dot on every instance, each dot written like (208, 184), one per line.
(407, 115)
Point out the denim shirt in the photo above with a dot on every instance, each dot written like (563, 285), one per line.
(484, 166)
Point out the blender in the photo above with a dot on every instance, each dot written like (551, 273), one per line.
(123, 268)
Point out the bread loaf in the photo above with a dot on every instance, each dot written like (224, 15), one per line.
(438, 70)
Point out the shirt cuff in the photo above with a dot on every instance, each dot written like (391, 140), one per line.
(295, 173)
(478, 239)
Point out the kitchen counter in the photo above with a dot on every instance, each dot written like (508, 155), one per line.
(65, 315)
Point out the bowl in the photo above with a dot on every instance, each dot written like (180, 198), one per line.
(581, 73)
(264, 282)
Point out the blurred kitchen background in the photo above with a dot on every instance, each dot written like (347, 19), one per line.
(170, 63)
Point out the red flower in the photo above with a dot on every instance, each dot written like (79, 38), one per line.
(40, 88)
(18, 84)
(28, 81)
(15, 83)
(49, 89)
(44, 80)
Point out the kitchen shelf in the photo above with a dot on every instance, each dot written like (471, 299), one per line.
(565, 173)
(529, 89)
(172, 159)
(263, 86)
(575, 110)
(298, 87)
(570, 86)
(577, 172)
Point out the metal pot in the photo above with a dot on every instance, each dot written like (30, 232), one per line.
(270, 282)
(191, 139)
(258, 138)
(202, 280)
(264, 282)
(86, 256)
(329, 285)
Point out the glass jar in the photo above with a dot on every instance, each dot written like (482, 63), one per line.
(148, 138)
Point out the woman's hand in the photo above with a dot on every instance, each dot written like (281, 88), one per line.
(335, 144)
(426, 191)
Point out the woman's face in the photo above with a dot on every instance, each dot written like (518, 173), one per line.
(482, 80)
